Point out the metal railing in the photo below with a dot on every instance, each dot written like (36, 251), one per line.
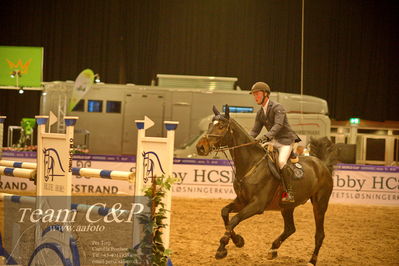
(379, 146)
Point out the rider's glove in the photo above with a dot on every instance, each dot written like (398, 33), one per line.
(264, 139)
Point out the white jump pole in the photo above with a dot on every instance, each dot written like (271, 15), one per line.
(28, 170)
(15, 164)
(18, 172)
(2, 119)
(170, 136)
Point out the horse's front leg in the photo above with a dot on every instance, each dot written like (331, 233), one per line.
(255, 207)
(235, 206)
(237, 239)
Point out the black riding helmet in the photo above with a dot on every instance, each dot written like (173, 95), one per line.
(260, 86)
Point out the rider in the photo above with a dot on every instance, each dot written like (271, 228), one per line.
(273, 116)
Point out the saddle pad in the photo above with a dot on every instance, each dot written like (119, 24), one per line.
(298, 170)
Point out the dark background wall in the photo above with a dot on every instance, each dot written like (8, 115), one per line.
(350, 47)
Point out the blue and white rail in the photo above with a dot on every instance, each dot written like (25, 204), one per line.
(101, 173)
(15, 164)
(28, 170)
(18, 172)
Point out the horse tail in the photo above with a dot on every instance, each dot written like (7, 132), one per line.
(325, 150)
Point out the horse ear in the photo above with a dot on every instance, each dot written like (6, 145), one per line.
(227, 111)
(215, 111)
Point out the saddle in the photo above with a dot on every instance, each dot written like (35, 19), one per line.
(297, 173)
(293, 163)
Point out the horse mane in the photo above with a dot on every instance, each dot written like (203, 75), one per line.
(245, 134)
(248, 137)
(325, 150)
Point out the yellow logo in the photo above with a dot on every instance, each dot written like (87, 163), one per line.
(19, 66)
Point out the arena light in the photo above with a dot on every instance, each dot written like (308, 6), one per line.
(97, 78)
(354, 121)
(239, 109)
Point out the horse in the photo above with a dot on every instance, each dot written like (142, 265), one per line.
(255, 184)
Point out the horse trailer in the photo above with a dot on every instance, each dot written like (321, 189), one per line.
(107, 112)
(305, 125)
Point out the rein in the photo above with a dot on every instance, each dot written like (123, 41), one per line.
(237, 146)
(229, 148)
(254, 167)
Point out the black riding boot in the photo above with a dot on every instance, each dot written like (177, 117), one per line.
(286, 173)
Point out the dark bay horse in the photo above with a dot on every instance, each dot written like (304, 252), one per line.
(255, 185)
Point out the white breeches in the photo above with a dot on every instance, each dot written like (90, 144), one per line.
(284, 153)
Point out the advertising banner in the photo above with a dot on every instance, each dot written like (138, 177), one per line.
(205, 178)
(21, 66)
(366, 184)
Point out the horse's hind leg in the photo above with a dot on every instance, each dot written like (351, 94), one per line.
(319, 210)
(289, 229)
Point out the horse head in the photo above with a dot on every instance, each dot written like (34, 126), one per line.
(217, 134)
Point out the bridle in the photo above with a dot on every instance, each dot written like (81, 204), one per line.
(219, 136)
(224, 149)
(223, 136)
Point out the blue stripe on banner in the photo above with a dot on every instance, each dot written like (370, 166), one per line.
(88, 157)
(8, 171)
(191, 161)
(17, 164)
(16, 198)
(75, 171)
(74, 206)
(202, 161)
(19, 154)
(367, 168)
(105, 173)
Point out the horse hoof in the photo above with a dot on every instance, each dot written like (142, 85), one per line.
(313, 260)
(272, 254)
(238, 241)
(224, 240)
(220, 254)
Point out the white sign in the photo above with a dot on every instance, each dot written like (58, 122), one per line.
(353, 184)
(366, 185)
